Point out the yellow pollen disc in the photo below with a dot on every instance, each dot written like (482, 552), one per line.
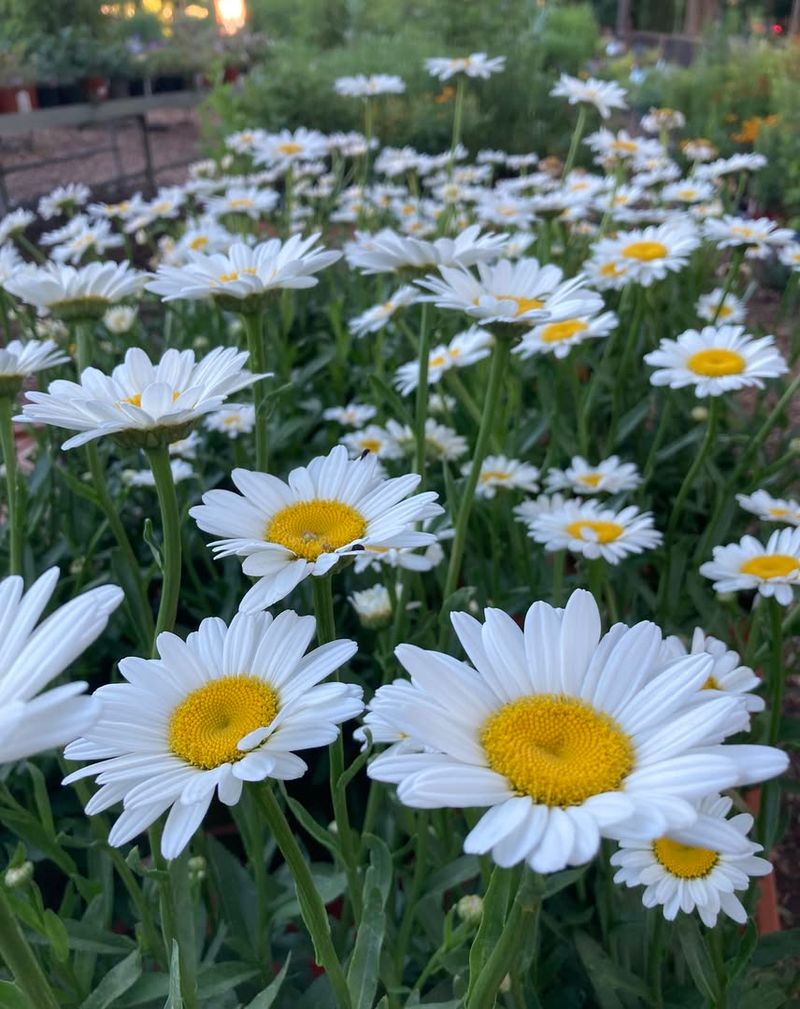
(241, 203)
(523, 304)
(454, 352)
(716, 362)
(742, 231)
(230, 421)
(645, 251)
(684, 860)
(711, 684)
(770, 566)
(604, 532)
(625, 145)
(590, 479)
(554, 332)
(228, 278)
(557, 749)
(162, 208)
(494, 474)
(437, 361)
(311, 528)
(290, 148)
(723, 311)
(687, 194)
(136, 399)
(249, 271)
(206, 726)
(611, 270)
(778, 513)
(370, 445)
(198, 243)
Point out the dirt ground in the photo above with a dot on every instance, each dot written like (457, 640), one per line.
(174, 138)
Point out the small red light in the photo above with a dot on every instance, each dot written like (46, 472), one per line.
(777, 29)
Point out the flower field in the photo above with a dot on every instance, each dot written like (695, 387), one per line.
(418, 545)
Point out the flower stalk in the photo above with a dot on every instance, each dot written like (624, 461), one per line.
(254, 328)
(16, 953)
(16, 516)
(171, 542)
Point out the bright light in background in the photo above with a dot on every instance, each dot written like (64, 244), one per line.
(231, 15)
(195, 11)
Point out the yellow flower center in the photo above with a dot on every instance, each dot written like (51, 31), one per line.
(240, 203)
(206, 726)
(370, 445)
(716, 362)
(554, 332)
(198, 243)
(289, 148)
(723, 311)
(611, 270)
(311, 528)
(684, 860)
(645, 251)
(711, 684)
(687, 194)
(742, 231)
(625, 145)
(228, 278)
(136, 399)
(778, 513)
(557, 749)
(770, 566)
(590, 479)
(494, 474)
(523, 304)
(437, 361)
(604, 532)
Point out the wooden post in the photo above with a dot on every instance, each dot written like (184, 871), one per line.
(624, 18)
(794, 19)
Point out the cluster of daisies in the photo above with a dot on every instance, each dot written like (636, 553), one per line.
(564, 734)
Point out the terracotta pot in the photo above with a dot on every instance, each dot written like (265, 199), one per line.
(767, 918)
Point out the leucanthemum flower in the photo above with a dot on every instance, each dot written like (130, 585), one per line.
(375, 318)
(14, 223)
(474, 65)
(583, 527)
(362, 86)
(610, 476)
(10, 263)
(774, 569)
(466, 348)
(735, 163)
(727, 674)
(650, 254)
(657, 120)
(603, 95)
(352, 415)
(500, 471)
(228, 705)
(688, 191)
(531, 509)
(760, 236)
(333, 508)
(710, 306)
(566, 734)
(441, 441)
(698, 868)
(374, 439)
(290, 147)
(373, 606)
(180, 469)
(119, 319)
(232, 420)
(699, 149)
(141, 403)
(789, 255)
(520, 293)
(558, 338)
(63, 198)
(249, 201)
(71, 291)
(771, 509)
(19, 359)
(90, 237)
(387, 251)
(716, 360)
(31, 657)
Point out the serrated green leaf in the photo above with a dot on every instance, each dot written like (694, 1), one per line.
(174, 996)
(265, 998)
(115, 983)
(697, 958)
(362, 974)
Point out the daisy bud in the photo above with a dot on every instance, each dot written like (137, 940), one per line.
(505, 984)
(200, 342)
(699, 414)
(373, 607)
(794, 445)
(470, 908)
(19, 875)
(197, 868)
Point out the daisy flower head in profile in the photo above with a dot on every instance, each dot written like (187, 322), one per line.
(727, 674)
(498, 471)
(697, 868)
(244, 277)
(688, 191)
(583, 527)
(373, 319)
(249, 201)
(658, 119)
(388, 251)
(19, 359)
(180, 469)
(610, 476)
(649, 254)
(141, 403)
(63, 199)
(719, 307)
(230, 704)
(519, 293)
(14, 223)
(363, 86)
(466, 348)
(728, 166)
(758, 236)
(233, 419)
(373, 606)
(32, 656)
(69, 292)
(475, 65)
(441, 442)
(288, 148)
(789, 255)
(699, 149)
(10, 263)
(773, 570)
(715, 360)
(603, 95)
(333, 508)
(771, 509)
(353, 415)
(558, 338)
(566, 734)
(374, 439)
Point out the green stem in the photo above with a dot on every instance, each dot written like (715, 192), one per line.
(661, 430)
(499, 361)
(312, 908)
(180, 895)
(15, 515)
(733, 272)
(254, 328)
(421, 413)
(771, 790)
(654, 955)
(716, 949)
(18, 956)
(458, 115)
(171, 540)
(84, 340)
(577, 133)
(412, 895)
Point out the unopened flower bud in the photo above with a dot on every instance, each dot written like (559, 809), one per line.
(505, 984)
(197, 868)
(200, 342)
(19, 875)
(699, 414)
(794, 445)
(373, 606)
(470, 908)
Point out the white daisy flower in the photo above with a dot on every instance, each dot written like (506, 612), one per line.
(612, 146)
(233, 419)
(522, 292)
(31, 657)
(362, 86)
(228, 705)
(18, 359)
(774, 569)
(657, 120)
(119, 319)
(387, 251)
(727, 166)
(527, 511)
(771, 509)
(10, 263)
(716, 360)
(718, 307)
(204, 236)
(603, 95)
(286, 147)
(245, 273)
(506, 211)
(500, 471)
(583, 527)
(698, 868)
(610, 476)
(760, 236)
(95, 238)
(699, 149)
(245, 141)
(63, 198)
(352, 415)
(374, 439)
(688, 191)
(165, 206)
(76, 291)
(142, 403)
(374, 319)
(466, 348)
(181, 470)
(564, 733)
(186, 447)
(650, 254)
(474, 65)
(441, 442)
(789, 255)
(378, 720)
(727, 674)
(373, 606)
(14, 223)
(332, 508)
(250, 201)
(441, 403)
(558, 338)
